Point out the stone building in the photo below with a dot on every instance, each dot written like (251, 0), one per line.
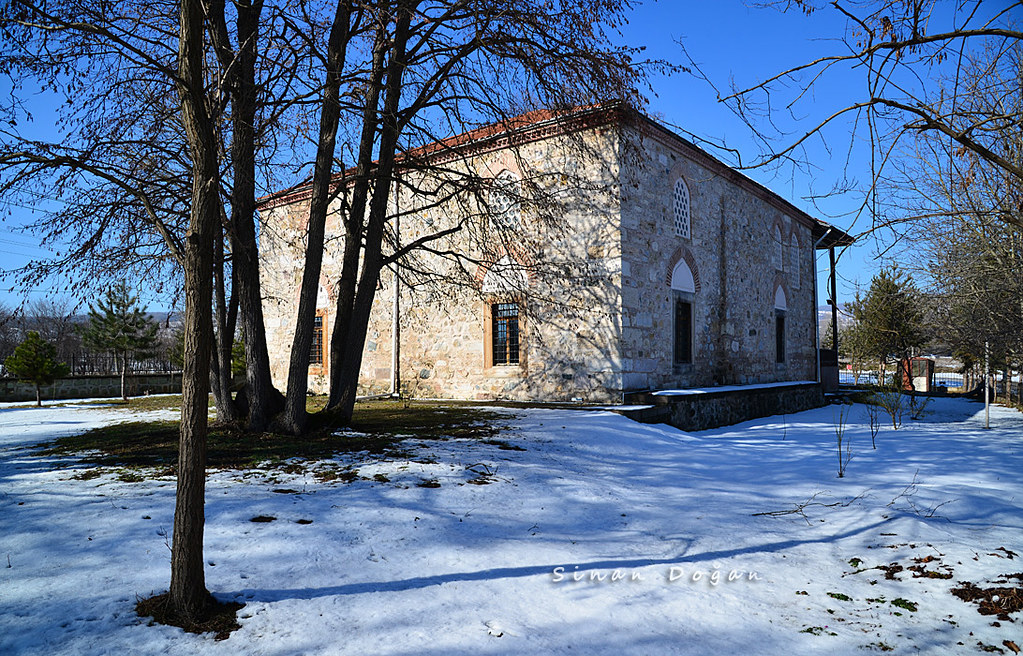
(597, 253)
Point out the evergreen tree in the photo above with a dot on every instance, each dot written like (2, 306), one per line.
(117, 324)
(34, 361)
(889, 318)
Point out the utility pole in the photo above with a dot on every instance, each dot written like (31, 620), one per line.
(395, 304)
(987, 391)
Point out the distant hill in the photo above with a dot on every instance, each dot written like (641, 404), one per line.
(824, 320)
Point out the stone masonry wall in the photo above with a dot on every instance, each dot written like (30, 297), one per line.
(566, 255)
(731, 254)
(696, 412)
(590, 264)
(84, 387)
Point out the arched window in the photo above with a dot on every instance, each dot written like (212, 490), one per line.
(794, 260)
(680, 204)
(682, 278)
(683, 297)
(780, 307)
(505, 277)
(505, 201)
(777, 247)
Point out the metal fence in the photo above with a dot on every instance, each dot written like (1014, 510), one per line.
(949, 380)
(88, 362)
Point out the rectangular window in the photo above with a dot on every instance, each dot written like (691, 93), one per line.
(316, 351)
(505, 333)
(683, 351)
(779, 336)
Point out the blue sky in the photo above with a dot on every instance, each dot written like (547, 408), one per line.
(736, 44)
(730, 41)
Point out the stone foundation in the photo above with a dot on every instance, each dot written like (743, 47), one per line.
(690, 411)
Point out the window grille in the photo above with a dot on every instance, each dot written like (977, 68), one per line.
(505, 333)
(316, 351)
(680, 203)
(505, 201)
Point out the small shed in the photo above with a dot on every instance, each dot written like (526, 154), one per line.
(917, 374)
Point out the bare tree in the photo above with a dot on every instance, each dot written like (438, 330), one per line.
(120, 172)
(188, 595)
(905, 51)
(433, 68)
(968, 215)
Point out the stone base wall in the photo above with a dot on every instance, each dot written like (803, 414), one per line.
(86, 387)
(695, 412)
(736, 277)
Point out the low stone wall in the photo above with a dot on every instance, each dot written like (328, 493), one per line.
(86, 387)
(711, 409)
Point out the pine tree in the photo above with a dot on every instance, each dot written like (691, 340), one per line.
(890, 318)
(117, 324)
(35, 361)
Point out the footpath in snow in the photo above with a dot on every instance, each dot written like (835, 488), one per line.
(602, 536)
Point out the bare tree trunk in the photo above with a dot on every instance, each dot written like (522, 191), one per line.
(373, 255)
(293, 419)
(354, 225)
(220, 371)
(124, 372)
(263, 400)
(188, 594)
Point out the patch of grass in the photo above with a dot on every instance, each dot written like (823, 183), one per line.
(329, 473)
(219, 618)
(379, 429)
(381, 478)
(818, 630)
(140, 403)
(129, 476)
(87, 475)
(880, 646)
(905, 604)
(919, 572)
(429, 482)
(839, 596)
(855, 563)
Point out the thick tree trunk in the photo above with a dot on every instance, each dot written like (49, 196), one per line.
(263, 400)
(354, 224)
(39, 396)
(188, 594)
(220, 371)
(373, 253)
(293, 419)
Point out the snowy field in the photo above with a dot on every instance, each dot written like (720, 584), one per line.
(659, 525)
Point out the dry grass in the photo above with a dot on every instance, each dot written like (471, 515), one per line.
(378, 427)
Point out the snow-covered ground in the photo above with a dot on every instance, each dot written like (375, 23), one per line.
(666, 518)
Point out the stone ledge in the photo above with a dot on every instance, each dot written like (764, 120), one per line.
(704, 408)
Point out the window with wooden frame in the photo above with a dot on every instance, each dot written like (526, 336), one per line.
(318, 350)
(779, 336)
(503, 333)
(682, 323)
